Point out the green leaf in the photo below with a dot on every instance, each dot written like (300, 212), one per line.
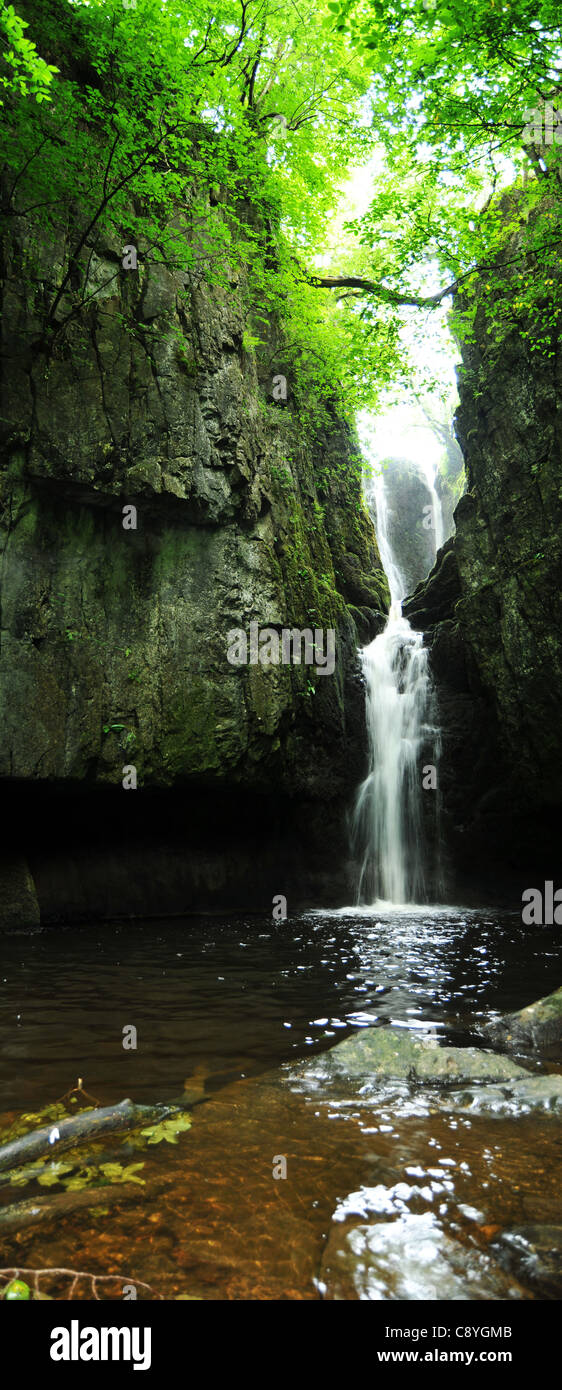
(167, 1130)
(17, 1289)
(53, 1173)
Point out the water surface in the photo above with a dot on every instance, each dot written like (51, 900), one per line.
(223, 1004)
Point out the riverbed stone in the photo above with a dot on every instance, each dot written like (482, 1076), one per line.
(465, 1080)
(536, 1026)
(534, 1253)
(396, 1053)
(410, 1259)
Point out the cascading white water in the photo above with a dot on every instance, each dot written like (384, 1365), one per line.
(390, 822)
(436, 508)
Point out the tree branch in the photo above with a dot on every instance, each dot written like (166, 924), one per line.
(432, 301)
(356, 282)
(108, 195)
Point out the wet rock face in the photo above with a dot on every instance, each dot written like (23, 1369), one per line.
(19, 908)
(434, 599)
(114, 635)
(509, 546)
(476, 826)
(494, 624)
(409, 504)
(449, 483)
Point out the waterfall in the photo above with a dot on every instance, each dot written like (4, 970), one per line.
(392, 815)
(429, 474)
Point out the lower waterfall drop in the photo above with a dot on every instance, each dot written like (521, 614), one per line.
(393, 819)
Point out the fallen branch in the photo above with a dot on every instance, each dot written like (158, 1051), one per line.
(89, 1124)
(33, 1212)
(78, 1091)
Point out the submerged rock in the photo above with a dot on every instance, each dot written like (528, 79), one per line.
(458, 1079)
(533, 1253)
(538, 1025)
(520, 1097)
(395, 1053)
(409, 1259)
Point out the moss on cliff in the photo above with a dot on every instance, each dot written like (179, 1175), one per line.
(242, 515)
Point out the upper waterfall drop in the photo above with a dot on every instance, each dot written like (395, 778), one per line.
(398, 864)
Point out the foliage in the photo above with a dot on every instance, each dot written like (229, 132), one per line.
(72, 1172)
(212, 139)
(17, 1289)
(31, 1120)
(221, 140)
(167, 1130)
(22, 71)
(459, 96)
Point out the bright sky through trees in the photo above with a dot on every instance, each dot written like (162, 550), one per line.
(226, 139)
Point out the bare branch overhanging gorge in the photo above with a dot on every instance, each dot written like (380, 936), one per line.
(390, 296)
(356, 282)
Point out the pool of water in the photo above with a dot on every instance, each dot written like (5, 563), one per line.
(220, 1006)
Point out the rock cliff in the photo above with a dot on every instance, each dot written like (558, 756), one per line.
(493, 611)
(409, 506)
(154, 409)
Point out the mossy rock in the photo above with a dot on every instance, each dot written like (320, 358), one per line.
(538, 1025)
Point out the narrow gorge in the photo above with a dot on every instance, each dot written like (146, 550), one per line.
(281, 654)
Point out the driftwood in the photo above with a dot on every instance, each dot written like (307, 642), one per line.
(79, 1129)
(33, 1211)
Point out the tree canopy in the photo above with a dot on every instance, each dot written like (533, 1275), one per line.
(225, 136)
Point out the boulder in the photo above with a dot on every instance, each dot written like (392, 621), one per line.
(398, 1054)
(536, 1026)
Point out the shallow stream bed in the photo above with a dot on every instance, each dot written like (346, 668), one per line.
(393, 1193)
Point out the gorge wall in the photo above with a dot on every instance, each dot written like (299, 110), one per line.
(492, 609)
(166, 400)
(114, 640)
(408, 502)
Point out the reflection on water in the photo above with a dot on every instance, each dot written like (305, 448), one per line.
(229, 1001)
(243, 995)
